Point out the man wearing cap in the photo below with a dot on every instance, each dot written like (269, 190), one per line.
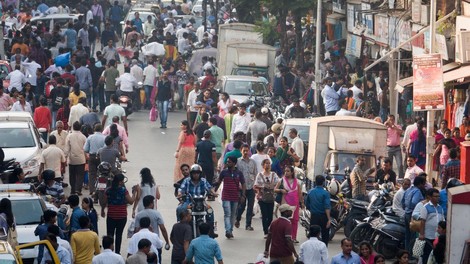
(206, 156)
(265, 117)
(274, 136)
(296, 111)
(279, 238)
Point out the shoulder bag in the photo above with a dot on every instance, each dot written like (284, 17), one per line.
(268, 193)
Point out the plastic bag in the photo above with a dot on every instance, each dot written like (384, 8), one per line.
(130, 229)
(62, 60)
(153, 114)
(418, 247)
(260, 259)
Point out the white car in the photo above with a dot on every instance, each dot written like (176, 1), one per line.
(241, 87)
(28, 209)
(20, 139)
(56, 19)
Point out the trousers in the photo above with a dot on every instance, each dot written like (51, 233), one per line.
(76, 174)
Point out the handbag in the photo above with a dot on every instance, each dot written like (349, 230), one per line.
(268, 194)
(415, 225)
(279, 195)
(418, 248)
(153, 114)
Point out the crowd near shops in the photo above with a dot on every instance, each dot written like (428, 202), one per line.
(221, 142)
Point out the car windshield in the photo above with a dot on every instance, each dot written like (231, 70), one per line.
(16, 138)
(338, 162)
(27, 212)
(7, 259)
(143, 16)
(240, 87)
(302, 131)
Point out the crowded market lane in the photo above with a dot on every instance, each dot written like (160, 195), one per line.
(154, 148)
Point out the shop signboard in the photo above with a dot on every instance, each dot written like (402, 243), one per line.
(354, 45)
(428, 83)
(368, 21)
(351, 16)
(381, 28)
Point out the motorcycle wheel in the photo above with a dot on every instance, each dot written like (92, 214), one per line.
(351, 224)
(387, 247)
(359, 234)
(332, 232)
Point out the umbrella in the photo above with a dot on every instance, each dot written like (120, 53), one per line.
(153, 48)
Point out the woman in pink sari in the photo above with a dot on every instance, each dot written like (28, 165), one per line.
(291, 191)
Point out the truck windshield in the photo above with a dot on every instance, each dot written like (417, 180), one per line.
(338, 162)
(240, 87)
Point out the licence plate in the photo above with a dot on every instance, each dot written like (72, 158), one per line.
(123, 104)
(101, 186)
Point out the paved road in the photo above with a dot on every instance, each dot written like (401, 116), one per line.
(153, 147)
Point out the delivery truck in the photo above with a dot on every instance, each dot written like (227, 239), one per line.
(240, 51)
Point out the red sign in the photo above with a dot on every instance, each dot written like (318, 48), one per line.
(428, 83)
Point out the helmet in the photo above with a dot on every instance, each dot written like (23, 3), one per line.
(453, 182)
(334, 187)
(104, 167)
(48, 175)
(195, 168)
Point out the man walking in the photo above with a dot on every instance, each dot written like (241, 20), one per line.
(203, 249)
(52, 158)
(84, 242)
(206, 156)
(83, 77)
(318, 203)
(232, 179)
(240, 121)
(144, 232)
(217, 137)
(180, 236)
(92, 145)
(112, 110)
(411, 198)
(164, 94)
(150, 74)
(109, 77)
(431, 214)
(108, 255)
(249, 170)
(78, 110)
(76, 158)
(280, 238)
(313, 250)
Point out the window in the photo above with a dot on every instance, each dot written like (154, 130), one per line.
(245, 88)
(27, 212)
(16, 138)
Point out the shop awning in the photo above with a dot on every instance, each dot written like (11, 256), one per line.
(447, 69)
(334, 18)
(456, 74)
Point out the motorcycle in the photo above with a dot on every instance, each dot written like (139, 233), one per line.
(6, 169)
(126, 99)
(200, 211)
(105, 179)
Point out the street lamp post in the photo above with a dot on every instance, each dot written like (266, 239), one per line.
(317, 56)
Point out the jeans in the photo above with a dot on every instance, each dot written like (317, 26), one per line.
(181, 102)
(230, 213)
(427, 250)
(163, 111)
(88, 97)
(92, 48)
(266, 215)
(409, 235)
(148, 92)
(396, 152)
(76, 174)
(321, 220)
(250, 198)
(115, 226)
(101, 98)
(192, 118)
(93, 163)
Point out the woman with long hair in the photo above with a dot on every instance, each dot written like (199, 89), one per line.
(146, 187)
(417, 144)
(286, 154)
(87, 206)
(63, 113)
(117, 140)
(116, 200)
(225, 104)
(366, 253)
(291, 192)
(265, 183)
(444, 147)
(29, 95)
(185, 151)
(7, 220)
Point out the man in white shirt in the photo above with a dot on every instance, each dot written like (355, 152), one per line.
(52, 158)
(112, 110)
(356, 89)
(408, 130)
(412, 171)
(126, 82)
(12, 19)
(16, 78)
(60, 135)
(30, 68)
(144, 232)
(181, 31)
(107, 255)
(241, 120)
(150, 74)
(330, 98)
(343, 111)
(78, 111)
(314, 251)
(397, 207)
(192, 98)
(137, 71)
(297, 143)
(149, 26)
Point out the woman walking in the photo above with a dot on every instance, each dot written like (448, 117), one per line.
(291, 192)
(87, 206)
(264, 187)
(185, 151)
(146, 187)
(116, 199)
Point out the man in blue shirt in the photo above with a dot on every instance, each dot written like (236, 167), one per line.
(49, 217)
(137, 22)
(318, 203)
(330, 97)
(204, 249)
(77, 212)
(92, 145)
(347, 256)
(410, 199)
(115, 15)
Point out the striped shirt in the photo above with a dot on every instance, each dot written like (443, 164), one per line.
(117, 203)
(232, 180)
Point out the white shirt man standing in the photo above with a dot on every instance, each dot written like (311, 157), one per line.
(241, 120)
(297, 143)
(107, 255)
(314, 250)
(16, 78)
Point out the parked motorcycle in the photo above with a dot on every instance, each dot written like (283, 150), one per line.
(6, 169)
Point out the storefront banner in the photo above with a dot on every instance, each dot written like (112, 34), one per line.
(368, 21)
(354, 45)
(428, 83)
(381, 28)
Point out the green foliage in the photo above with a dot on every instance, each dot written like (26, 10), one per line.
(268, 29)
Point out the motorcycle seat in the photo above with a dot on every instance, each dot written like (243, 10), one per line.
(394, 219)
(359, 203)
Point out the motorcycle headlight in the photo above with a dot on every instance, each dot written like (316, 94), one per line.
(210, 210)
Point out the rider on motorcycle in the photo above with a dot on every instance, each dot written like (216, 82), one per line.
(50, 187)
(192, 186)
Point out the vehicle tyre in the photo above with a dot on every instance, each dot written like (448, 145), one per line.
(387, 247)
(351, 223)
(332, 232)
(359, 234)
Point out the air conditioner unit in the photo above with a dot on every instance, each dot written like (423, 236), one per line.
(462, 53)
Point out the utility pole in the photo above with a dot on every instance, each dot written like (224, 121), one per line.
(2, 41)
(318, 79)
(393, 76)
(431, 115)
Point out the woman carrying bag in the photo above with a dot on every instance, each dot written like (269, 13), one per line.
(264, 187)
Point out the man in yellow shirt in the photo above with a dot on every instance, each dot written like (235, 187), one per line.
(84, 242)
(76, 94)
